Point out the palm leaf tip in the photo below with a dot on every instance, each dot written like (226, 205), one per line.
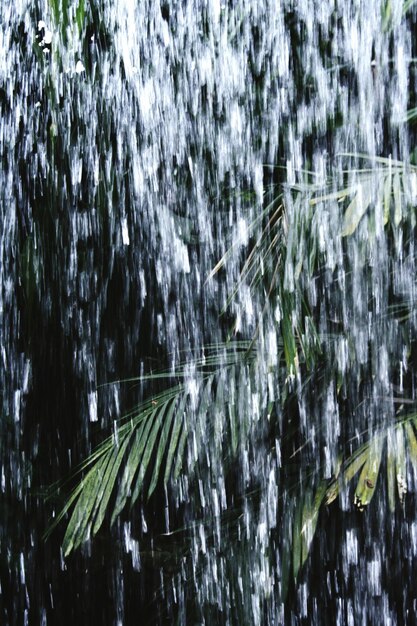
(368, 477)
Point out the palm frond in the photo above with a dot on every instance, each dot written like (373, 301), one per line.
(147, 447)
(365, 487)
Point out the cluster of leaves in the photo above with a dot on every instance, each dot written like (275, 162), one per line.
(148, 447)
(389, 185)
(391, 447)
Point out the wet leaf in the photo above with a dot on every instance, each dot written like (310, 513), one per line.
(145, 449)
(168, 420)
(368, 477)
(412, 444)
(80, 15)
(408, 4)
(387, 197)
(357, 208)
(349, 469)
(391, 467)
(233, 418)
(400, 463)
(131, 467)
(177, 429)
(79, 526)
(180, 449)
(297, 540)
(311, 508)
(397, 199)
(109, 480)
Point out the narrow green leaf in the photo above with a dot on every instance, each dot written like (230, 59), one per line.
(387, 197)
(176, 431)
(180, 449)
(300, 255)
(55, 5)
(131, 467)
(408, 4)
(373, 159)
(310, 515)
(109, 480)
(387, 16)
(162, 446)
(286, 552)
(355, 464)
(78, 529)
(368, 477)
(290, 345)
(357, 208)
(80, 15)
(72, 498)
(391, 467)
(397, 199)
(297, 535)
(349, 469)
(332, 491)
(337, 195)
(149, 435)
(153, 437)
(218, 413)
(400, 462)
(312, 254)
(64, 14)
(233, 422)
(411, 114)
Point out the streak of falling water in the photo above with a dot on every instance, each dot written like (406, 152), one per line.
(140, 140)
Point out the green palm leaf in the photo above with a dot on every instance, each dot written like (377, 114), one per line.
(349, 469)
(305, 523)
(148, 446)
(357, 208)
(368, 477)
(151, 432)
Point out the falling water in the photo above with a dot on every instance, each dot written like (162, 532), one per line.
(224, 192)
